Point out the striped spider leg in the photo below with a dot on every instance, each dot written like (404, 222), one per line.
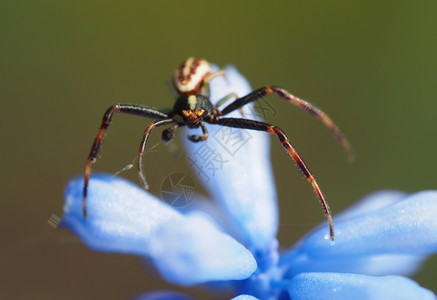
(271, 129)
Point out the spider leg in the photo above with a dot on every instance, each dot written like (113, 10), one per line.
(138, 110)
(207, 90)
(198, 138)
(208, 78)
(226, 98)
(143, 143)
(284, 94)
(261, 126)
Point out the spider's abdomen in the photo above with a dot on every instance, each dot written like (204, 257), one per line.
(188, 77)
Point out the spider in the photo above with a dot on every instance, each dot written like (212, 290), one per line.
(193, 109)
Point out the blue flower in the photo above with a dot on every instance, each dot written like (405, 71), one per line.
(378, 241)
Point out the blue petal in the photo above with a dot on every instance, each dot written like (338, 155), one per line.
(234, 166)
(124, 218)
(162, 295)
(300, 261)
(366, 264)
(244, 297)
(407, 227)
(370, 203)
(195, 251)
(338, 286)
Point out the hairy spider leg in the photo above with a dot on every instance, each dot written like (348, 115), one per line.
(143, 143)
(261, 126)
(226, 98)
(198, 138)
(138, 110)
(207, 90)
(284, 94)
(208, 78)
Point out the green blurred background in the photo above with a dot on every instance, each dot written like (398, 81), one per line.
(372, 66)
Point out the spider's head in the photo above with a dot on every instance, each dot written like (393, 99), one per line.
(192, 109)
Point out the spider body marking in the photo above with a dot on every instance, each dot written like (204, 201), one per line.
(189, 77)
(193, 108)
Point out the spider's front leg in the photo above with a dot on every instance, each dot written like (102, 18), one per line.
(261, 126)
(305, 105)
(143, 143)
(138, 110)
(198, 138)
